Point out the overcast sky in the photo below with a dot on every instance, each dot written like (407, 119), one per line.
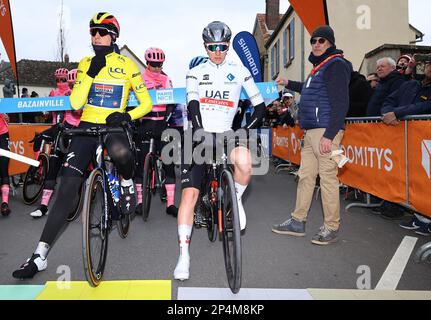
(173, 25)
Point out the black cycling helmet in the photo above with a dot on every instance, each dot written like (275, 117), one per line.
(216, 31)
(107, 21)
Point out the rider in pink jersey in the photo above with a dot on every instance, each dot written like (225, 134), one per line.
(4, 164)
(152, 125)
(70, 119)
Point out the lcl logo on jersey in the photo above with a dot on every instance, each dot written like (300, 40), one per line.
(114, 72)
(140, 87)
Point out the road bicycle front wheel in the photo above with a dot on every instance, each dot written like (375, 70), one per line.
(231, 232)
(34, 180)
(147, 186)
(95, 229)
(123, 225)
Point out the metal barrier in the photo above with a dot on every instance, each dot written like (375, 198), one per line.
(406, 120)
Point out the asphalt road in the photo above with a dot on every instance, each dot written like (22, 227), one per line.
(269, 260)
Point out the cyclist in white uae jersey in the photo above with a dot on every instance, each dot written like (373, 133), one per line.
(213, 91)
(217, 88)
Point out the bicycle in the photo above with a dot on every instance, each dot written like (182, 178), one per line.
(101, 206)
(154, 179)
(34, 178)
(218, 204)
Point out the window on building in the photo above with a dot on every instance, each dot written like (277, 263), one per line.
(272, 61)
(292, 40)
(286, 53)
(275, 59)
(289, 43)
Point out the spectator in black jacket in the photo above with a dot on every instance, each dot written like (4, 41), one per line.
(412, 98)
(390, 81)
(360, 93)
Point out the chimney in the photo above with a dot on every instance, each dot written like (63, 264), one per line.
(272, 13)
(66, 58)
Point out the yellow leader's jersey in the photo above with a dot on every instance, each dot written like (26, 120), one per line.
(109, 91)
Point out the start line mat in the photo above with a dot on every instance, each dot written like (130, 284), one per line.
(81, 290)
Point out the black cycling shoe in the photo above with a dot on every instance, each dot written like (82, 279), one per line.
(127, 200)
(172, 210)
(31, 267)
(5, 210)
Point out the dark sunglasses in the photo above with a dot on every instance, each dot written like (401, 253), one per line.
(156, 64)
(60, 80)
(102, 32)
(320, 40)
(217, 46)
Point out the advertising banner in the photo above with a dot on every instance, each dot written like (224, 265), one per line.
(419, 165)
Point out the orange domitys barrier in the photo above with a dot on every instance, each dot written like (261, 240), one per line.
(419, 165)
(377, 160)
(19, 137)
(286, 143)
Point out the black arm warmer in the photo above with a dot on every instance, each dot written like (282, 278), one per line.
(193, 108)
(256, 118)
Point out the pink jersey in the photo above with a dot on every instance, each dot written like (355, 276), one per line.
(72, 117)
(156, 81)
(3, 124)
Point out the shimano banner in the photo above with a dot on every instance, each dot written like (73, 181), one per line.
(245, 46)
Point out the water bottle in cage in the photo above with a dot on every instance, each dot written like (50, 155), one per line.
(114, 186)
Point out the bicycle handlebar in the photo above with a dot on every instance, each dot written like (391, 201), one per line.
(93, 131)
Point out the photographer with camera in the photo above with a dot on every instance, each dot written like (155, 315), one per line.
(412, 98)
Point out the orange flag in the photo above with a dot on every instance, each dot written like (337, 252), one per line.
(313, 13)
(6, 33)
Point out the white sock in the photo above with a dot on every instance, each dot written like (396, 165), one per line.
(240, 189)
(126, 183)
(184, 236)
(239, 192)
(42, 249)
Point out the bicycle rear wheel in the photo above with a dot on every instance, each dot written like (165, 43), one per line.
(95, 229)
(34, 180)
(231, 233)
(147, 186)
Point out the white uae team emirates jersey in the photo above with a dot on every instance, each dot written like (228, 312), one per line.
(217, 88)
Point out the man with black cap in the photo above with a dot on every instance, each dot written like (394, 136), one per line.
(322, 111)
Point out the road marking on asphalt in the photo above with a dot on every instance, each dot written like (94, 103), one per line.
(20, 292)
(393, 273)
(191, 293)
(108, 290)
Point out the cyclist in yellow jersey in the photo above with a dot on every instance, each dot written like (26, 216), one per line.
(102, 86)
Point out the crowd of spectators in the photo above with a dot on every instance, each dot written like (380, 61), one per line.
(283, 111)
(396, 89)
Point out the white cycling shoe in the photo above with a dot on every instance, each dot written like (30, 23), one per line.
(181, 271)
(39, 212)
